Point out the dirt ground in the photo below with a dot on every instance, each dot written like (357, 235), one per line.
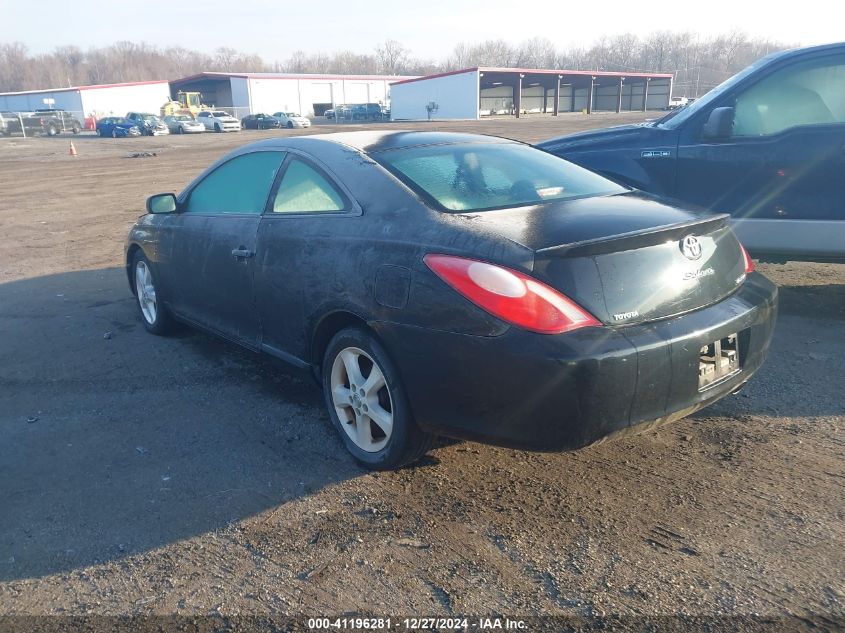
(147, 475)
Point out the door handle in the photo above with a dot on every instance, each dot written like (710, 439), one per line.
(242, 253)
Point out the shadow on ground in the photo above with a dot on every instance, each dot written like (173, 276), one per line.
(116, 442)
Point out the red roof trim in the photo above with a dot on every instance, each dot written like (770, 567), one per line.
(290, 77)
(81, 88)
(596, 73)
(437, 75)
(126, 84)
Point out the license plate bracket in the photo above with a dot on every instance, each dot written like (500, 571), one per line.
(718, 361)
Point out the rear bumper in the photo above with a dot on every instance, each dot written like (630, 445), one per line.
(562, 392)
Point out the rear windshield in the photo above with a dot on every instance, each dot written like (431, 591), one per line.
(481, 176)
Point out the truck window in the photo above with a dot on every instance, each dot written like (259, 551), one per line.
(806, 93)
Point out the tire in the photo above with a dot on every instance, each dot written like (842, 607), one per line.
(154, 315)
(75, 130)
(180, 130)
(114, 132)
(52, 131)
(395, 439)
(290, 125)
(217, 127)
(100, 133)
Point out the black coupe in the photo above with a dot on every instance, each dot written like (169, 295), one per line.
(458, 285)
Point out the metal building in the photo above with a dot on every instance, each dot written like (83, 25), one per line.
(305, 94)
(97, 101)
(475, 92)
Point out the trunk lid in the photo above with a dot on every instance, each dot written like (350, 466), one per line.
(628, 258)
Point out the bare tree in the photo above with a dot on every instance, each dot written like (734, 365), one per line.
(391, 56)
(697, 63)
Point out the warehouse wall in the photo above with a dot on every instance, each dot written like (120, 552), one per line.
(632, 95)
(311, 97)
(69, 100)
(456, 96)
(118, 100)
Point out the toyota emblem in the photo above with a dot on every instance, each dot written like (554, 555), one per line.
(691, 247)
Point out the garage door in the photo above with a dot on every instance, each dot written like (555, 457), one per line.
(356, 93)
(321, 93)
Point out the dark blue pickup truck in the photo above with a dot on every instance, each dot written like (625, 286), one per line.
(766, 146)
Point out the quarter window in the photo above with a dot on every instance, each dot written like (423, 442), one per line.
(240, 185)
(305, 190)
(807, 93)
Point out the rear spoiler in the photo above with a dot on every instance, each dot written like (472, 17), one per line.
(638, 239)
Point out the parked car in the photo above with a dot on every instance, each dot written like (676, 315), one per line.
(765, 146)
(117, 127)
(183, 124)
(329, 114)
(219, 121)
(291, 120)
(54, 121)
(9, 123)
(149, 124)
(677, 102)
(516, 298)
(259, 121)
(366, 112)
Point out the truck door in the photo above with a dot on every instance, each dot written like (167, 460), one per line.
(779, 171)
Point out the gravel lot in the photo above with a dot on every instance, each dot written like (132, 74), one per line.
(146, 475)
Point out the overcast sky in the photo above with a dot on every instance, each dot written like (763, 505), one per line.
(429, 28)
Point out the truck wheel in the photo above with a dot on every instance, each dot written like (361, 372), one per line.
(52, 130)
(75, 130)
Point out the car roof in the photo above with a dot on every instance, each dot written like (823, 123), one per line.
(370, 142)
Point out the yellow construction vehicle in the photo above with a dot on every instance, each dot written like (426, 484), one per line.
(187, 103)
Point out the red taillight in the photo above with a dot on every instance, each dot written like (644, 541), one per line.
(510, 295)
(749, 263)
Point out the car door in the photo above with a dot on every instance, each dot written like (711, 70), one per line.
(205, 119)
(212, 246)
(295, 238)
(779, 172)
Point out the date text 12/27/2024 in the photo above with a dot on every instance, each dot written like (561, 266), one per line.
(415, 624)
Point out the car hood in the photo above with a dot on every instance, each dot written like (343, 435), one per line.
(225, 119)
(598, 138)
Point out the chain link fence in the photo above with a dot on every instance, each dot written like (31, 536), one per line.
(44, 122)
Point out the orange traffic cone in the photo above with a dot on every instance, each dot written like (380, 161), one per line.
(72, 151)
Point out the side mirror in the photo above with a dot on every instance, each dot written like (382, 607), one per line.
(719, 125)
(161, 203)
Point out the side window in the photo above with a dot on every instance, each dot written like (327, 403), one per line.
(806, 93)
(305, 190)
(240, 185)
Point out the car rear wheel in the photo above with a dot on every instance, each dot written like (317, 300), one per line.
(180, 130)
(367, 403)
(154, 315)
(217, 127)
(290, 125)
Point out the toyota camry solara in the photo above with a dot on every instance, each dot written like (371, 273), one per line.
(457, 285)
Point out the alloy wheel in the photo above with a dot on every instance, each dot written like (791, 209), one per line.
(145, 291)
(362, 400)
